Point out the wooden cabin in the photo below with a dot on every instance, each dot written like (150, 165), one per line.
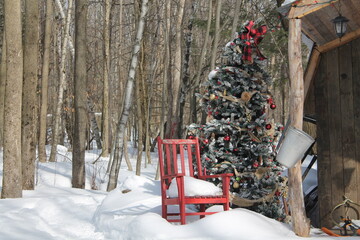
(332, 96)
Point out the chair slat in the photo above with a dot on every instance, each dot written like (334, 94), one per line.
(167, 160)
(174, 159)
(198, 158)
(190, 159)
(182, 158)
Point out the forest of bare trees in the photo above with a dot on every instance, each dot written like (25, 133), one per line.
(99, 73)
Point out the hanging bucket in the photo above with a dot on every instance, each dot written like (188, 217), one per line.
(294, 146)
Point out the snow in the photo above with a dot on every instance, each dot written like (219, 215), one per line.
(194, 187)
(56, 211)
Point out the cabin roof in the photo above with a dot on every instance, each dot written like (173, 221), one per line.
(317, 15)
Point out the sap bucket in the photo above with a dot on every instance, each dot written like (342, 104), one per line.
(294, 146)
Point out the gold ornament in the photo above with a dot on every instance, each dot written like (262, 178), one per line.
(212, 96)
(236, 185)
(245, 96)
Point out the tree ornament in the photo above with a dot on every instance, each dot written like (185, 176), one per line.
(236, 185)
(272, 106)
(245, 96)
(227, 138)
(212, 96)
(268, 126)
(206, 141)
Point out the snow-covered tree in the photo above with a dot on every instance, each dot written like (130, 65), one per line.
(238, 136)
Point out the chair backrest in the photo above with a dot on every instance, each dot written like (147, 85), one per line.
(179, 156)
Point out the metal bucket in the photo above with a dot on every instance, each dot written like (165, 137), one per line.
(294, 146)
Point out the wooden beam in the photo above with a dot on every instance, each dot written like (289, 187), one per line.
(339, 41)
(306, 7)
(311, 69)
(300, 222)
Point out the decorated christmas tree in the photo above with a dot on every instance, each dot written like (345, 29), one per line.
(238, 136)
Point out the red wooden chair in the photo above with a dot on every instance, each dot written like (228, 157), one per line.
(173, 155)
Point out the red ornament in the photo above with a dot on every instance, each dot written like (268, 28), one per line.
(255, 164)
(191, 137)
(272, 106)
(227, 138)
(268, 126)
(206, 141)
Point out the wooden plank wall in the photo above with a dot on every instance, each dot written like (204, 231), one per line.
(337, 106)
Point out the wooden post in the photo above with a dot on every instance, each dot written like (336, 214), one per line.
(301, 224)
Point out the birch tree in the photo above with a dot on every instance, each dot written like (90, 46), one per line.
(45, 82)
(29, 101)
(60, 99)
(12, 177)
(121, 126)
(80, 126)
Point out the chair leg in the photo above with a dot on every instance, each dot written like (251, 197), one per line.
(164, 211)
(226, 206)
(182, 213)
(202, 209)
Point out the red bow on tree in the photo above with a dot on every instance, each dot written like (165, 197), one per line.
(252, 38)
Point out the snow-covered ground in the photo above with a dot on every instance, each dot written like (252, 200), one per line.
(54, 210)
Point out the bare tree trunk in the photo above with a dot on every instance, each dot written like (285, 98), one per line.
(185, 87)
(29, 101)
(148, 111)
(121, 127)
(126, 153)
(45, 83)
(80, 76)
(93, 123)
(166, 73)
(199, 67)
(166, 63)
(172, 127)
(105, 130)
(139, 107)
(2, 90)
(238, 4)
(217, 34)
(60, 100)
(12, 177)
